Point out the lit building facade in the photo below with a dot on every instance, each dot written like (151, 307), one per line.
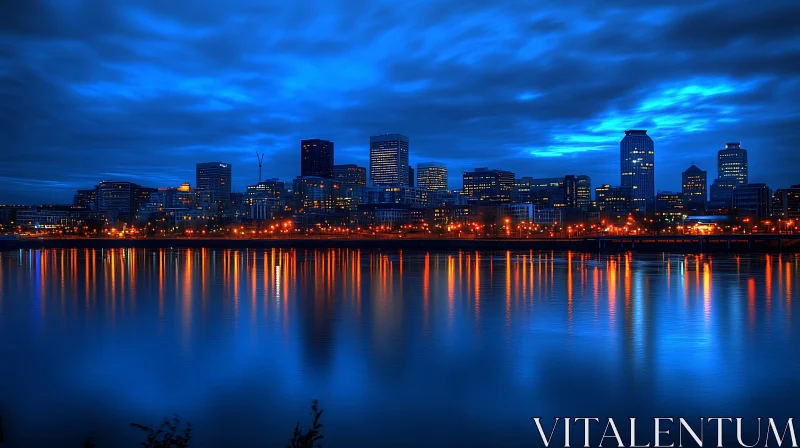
(752, 201)
(484, 185)
(732, 162)
(721, 191)
(121, 200)
(432, 176)
(213, 182)
(637, 168)
(786, 203)
(388, 160)
(617, 200)
(668, 201)
(316, 158)
(583, 190)
(315, 194)
(350, 174)
(694, 182)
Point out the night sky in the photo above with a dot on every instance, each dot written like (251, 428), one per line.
(142, 90)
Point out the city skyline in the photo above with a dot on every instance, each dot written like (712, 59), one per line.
(484, 85)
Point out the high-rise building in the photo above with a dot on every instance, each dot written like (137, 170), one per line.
(120, 200)
(570, 187)
(752, 201)
(615, 200)
(484, 185)
(721, 191)
(786, 203)
(410, 176)
(213, 182)
(669, 201)
(584, 192)
(315, 193)
(431, 176)
(637, 168)
(86, 198)
(266, 189)
(694, 182)
(732, 162)
(316, 158)
(350, 174)
(388, 160)
(545, 193)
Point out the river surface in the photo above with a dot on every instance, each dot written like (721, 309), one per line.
(400, 348)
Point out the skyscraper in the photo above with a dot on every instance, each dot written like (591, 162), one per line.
(213, 182)
(410, 176)
(584, 192)
(732, 162)
(483, 185)
(388, 159)
(431, 176)
(752, 200)
(695, 188)
(637, 168)
(350, 174)
(316, 158)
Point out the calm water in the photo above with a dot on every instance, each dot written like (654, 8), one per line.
(401, 349)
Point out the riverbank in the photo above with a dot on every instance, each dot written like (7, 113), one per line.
(672, 244)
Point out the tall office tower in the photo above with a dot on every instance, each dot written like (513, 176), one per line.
(213, 182)
(732, 162)
(410, 176)
(637, 168)
(786, 205)
(617, 200)
(388, 160)
(316, 158)
(721, 191)
(569, 187)
(583, 190)
(695, 188)
(431, 176)
(121, 200)
(753, 201)
(350, 174)
(483, 185)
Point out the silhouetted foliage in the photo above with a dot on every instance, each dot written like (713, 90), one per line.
(309, 438)
(166, 436)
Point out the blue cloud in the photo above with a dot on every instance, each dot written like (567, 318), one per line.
(92, 87)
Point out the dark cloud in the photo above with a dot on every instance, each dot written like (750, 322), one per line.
(93, 90)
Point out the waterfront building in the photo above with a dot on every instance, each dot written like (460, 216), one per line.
(488, 186)
(694, 183)
(350, 174)
(752, 201)
(213, 182)
(637, 168)
(732, 162)
(432, 176)
(316, 158)
(388, 160)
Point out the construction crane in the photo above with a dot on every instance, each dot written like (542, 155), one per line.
(260, 164)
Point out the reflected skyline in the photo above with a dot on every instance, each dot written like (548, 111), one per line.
(251, 336)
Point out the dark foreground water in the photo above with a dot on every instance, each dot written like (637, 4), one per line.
(401, 349)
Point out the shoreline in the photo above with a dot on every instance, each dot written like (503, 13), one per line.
(674, 244)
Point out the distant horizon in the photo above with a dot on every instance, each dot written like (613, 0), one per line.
(109, 90)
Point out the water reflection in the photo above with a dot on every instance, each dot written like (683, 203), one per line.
(247, 337)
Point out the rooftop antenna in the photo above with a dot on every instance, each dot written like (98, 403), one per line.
(260, 164)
